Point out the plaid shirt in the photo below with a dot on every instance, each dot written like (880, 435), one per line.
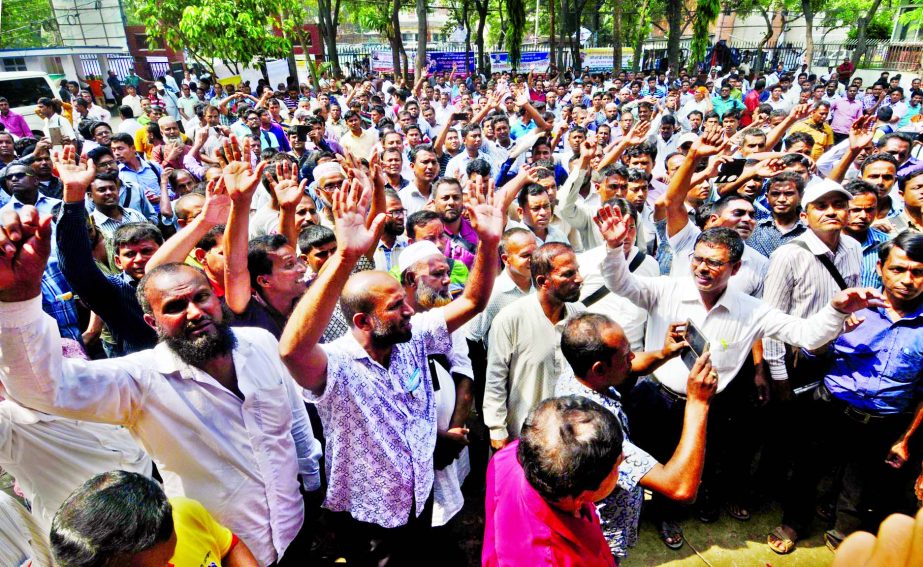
(58, 301)
(767, 237)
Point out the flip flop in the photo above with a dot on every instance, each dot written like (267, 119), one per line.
(671, 530)
(778, 536)
(833, 539)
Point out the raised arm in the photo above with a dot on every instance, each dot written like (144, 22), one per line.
(523, 101)
(214, 212)
(637, 135)
(568, 208)
(710, 143)
(488, 220)
(299, 347)
(613, 227)
(776, 134)
(288, 192)
(860, 136)
(239, 180)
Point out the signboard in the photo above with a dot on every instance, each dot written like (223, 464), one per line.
(500, 61)
(599, 59)
(436, 61)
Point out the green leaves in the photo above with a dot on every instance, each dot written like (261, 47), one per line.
(238, 32)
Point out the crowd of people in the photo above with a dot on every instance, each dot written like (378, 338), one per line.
(284, 326)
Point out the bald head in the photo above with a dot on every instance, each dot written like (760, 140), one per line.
(188, 207)
(364, 291)
(162, 278)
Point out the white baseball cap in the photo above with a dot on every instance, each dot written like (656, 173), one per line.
(818, 189)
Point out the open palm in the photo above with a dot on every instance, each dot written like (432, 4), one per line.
(484, 211)
(612, 225)
(71, 173)
(350, 207)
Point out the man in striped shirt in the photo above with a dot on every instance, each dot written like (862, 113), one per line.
(799, 284)
(863, 208)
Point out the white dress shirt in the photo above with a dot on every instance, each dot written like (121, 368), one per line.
(524, 361)
(579, 211)
(731, 326)
(239, 458)
(23, 542)
(629, 316)
(753, 265)
(412, 199)
(51, 456)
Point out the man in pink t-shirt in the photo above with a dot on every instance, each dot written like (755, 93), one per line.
(541, 488)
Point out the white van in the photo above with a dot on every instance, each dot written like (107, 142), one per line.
(23, 89)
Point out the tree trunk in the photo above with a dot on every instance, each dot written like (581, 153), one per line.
(808, 13)
(552, 35)
(675, 33)
(481, 7)
(422, 33)
(397, 42)
(464, 19)
(617, 36)
(758, 64)
(861, 32)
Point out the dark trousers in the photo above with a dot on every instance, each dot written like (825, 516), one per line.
(866, 488)
(837, 137)
(655, 419)
(367, 545)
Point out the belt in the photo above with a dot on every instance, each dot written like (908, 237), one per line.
(853, 413)
(670, 394)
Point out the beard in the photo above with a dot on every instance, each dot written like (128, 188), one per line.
(389, 334)
(196, 351)
(431, 298)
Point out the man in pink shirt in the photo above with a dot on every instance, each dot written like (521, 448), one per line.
(843, 112)
(14, 123)
(541, 489)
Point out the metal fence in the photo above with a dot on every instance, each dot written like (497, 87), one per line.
(121, 64)
(352, 55)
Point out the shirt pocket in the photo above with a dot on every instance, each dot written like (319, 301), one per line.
(904, 364)
(272, 410)
(727, 356)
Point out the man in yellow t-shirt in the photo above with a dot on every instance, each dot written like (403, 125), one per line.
(817, 127)
(127, 516)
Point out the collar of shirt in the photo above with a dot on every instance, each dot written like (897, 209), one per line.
(505, 283)
(44, 204)
(817, 246)
(99, 218)
(873, 238)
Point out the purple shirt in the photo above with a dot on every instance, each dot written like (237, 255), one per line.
(16, 125)
(380, 425)
(843, 113)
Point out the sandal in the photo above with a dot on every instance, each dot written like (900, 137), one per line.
(708, 513)
(737, 511)
(671, 534)
(780, 542)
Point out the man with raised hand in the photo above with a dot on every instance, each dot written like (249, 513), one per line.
(215, 408)
(380, 368)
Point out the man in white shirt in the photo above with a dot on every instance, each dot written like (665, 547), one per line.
(215, 408)
(132, 99)
(524, 344)
(729, 320)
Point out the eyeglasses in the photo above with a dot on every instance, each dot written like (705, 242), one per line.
(19, 175)
(331, 187)
(106, 164)
(397, 213)
(712, 264)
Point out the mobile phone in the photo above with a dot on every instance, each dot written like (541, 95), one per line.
(54, 133)
(459, 116)
(698, 344)
(730, 171)
(301, 131)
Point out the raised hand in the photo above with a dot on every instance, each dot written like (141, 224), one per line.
(856, 298)
(484, 211)
(288, 190)
(526, 174)
(768, 168)
(638, 133)
(801, 111)
(612, 226)
(25, 244)
(862, 132)
(217, 205)
(73, 175)
(675, 340)
(350, 204)
(588, 149)
(710, 143)
(522, 97)
(240, 179)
